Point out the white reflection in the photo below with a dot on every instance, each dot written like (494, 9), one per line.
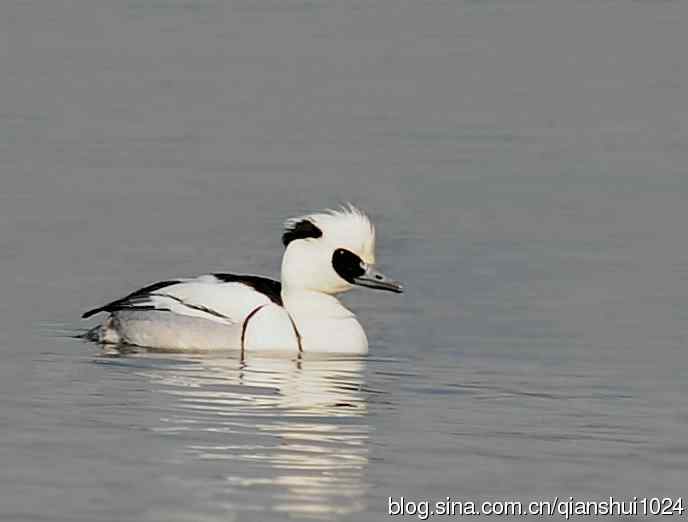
(292, 433)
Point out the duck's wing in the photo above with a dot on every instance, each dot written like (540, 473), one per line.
(225, 298)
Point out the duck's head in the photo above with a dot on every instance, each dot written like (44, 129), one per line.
(331, 251)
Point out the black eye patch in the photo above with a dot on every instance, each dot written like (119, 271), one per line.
(301, 230)
(347, 264)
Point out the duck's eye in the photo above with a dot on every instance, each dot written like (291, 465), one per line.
(347, 264)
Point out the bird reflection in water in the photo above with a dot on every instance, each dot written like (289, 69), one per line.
(291, 434)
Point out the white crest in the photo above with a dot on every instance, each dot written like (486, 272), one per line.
(345, 227)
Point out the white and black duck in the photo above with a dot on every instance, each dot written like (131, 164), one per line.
(326, 253)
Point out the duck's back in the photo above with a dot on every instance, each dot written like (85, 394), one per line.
(206, 312)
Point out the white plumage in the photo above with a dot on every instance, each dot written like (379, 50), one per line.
(326, 253)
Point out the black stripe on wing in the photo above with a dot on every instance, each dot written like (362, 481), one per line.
(200, 308)
(133, 301)
(269, 287)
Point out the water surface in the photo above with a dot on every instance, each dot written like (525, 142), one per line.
(525, 163)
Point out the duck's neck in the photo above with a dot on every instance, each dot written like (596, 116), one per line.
(316, 305)
(323, 323)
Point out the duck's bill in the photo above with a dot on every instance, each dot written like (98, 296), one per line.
(379, 281)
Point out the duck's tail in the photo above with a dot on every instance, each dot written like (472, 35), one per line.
(94, 334)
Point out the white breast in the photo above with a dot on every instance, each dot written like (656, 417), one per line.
(269, 329)
(324, 324)
(342, 335)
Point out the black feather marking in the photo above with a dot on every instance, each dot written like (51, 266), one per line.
(128, 302)
(264, 285)
(347, 264)
(200, 308)
(245, 325)
(300, 230)
(296, 333)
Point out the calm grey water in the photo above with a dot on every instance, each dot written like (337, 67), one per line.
(526, 163)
